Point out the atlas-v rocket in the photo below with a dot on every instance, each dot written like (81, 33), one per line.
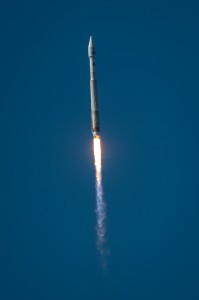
(93, 90)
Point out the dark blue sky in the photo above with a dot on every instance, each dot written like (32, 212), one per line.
(147, 65)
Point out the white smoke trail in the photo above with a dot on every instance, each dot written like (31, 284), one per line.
(100, 203)
(100, 209)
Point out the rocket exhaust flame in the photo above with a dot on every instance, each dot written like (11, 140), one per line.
(97, 153)
(100, 203)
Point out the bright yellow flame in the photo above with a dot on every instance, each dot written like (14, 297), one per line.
(97, 156)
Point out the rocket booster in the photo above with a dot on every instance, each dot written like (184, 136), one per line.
(95, 125)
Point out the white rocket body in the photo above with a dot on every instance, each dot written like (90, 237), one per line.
(95, 124)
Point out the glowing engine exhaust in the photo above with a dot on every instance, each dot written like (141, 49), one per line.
(100, 203)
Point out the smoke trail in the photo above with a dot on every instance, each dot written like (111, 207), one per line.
(100, 203)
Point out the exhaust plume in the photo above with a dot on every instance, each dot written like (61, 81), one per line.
(100, 203)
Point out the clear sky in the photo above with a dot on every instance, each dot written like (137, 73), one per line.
(147, 68)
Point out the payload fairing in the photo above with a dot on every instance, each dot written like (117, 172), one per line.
(93, 90)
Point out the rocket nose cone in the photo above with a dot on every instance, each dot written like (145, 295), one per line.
(90, 42)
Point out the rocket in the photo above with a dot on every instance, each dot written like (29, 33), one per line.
(95, 124)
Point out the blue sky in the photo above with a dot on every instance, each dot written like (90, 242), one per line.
(147, 68)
